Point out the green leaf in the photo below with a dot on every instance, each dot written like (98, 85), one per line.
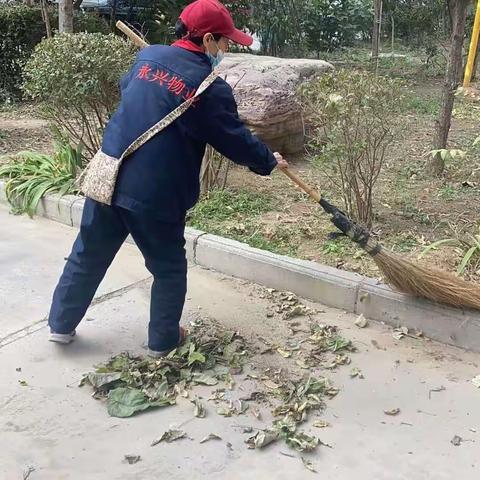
(102, 381)
(195, 357)
(125, 402)
(439, 243)
(466, 259)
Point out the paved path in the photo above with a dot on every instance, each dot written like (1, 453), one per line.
(63, 433)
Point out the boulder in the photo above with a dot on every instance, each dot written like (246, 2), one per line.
(266, 92)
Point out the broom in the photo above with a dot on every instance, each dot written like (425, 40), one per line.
(407, 277)
(410, 278)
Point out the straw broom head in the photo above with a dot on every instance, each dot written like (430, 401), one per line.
(408, 277)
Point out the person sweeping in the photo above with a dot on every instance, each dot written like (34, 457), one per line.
(171, 107)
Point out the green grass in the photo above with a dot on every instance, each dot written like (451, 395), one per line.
(222, 205)
(422, 105)
(447, 192)
(234, 214)
(403, 243)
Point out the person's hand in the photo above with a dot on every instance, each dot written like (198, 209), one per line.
(281, 162)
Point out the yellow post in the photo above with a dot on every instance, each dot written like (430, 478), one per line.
(472, 53)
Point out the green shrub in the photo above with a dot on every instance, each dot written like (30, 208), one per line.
(21, 28)
(30, 176)
(76, 78)
(352, 118)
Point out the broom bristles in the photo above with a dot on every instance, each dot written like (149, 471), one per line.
(432, 284)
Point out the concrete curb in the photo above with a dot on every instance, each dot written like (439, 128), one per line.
(332, 287)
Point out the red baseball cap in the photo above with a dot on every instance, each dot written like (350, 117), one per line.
(210, 16)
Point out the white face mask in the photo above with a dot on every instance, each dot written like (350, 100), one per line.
(216, 59)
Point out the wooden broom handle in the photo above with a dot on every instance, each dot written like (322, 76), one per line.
(136, 39)
(306, 188)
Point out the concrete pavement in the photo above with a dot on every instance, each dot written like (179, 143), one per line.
(50, 424)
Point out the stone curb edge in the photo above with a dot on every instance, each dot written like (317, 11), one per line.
(348, 291)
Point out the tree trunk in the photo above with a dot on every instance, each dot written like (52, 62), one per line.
(77, 4)
(376, 29)
(113, 15)
(46, 18)
(458, 9)
(65, 16)
(29, 3)
(393, 34)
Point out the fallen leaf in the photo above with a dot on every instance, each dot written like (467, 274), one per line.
(456, 440)
(132, 459)
(439, 389)
(271, 385)
(242, 407)
(212, 436)
(476, 381)
(393, 412)
(225, 411)
(125, 402)
(199, 410)
(302, 364)
(284, 353)
(262, 439)
(202, 379)
(356, 373)
(361, 321)
(181, 390)
(23, 383)
(195, 357)
(102, 381)
(308, 465)
(397, 334)
(170, 436)
(321, 424)
(256, 413)
(302, 442)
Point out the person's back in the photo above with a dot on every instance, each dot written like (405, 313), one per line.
(161, 176)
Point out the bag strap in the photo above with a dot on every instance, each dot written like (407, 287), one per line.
(168, 119)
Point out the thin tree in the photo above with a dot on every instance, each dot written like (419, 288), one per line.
(458, 10)
(378, 4)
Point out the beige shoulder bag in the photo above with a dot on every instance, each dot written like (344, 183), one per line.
(99, 178)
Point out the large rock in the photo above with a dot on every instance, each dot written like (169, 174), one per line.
(265, 89)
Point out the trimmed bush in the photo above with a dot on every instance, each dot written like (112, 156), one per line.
(76, 78)
(21, 28)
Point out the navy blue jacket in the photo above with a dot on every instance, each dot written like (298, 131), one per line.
(162, 177)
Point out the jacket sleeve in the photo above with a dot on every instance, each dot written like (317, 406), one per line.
(218, 124)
